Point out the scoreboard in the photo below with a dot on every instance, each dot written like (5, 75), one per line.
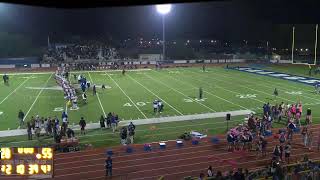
(26, 161)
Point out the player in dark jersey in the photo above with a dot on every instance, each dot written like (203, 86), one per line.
(155, 106)
(200, 93)
(275, 93)
(123, 71)
(94, 90)
(203, 68)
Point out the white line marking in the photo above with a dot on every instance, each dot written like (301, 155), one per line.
(179, 92)
(208, 92)
(127, 96)
(14, 91)
(37, 97)
(105, 115)
(155, 94)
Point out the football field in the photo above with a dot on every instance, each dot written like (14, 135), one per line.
(131, 95)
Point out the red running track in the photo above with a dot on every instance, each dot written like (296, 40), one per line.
(172, 163)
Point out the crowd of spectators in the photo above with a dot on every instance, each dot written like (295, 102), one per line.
(252, 134)
(49, 127)
(81, 51)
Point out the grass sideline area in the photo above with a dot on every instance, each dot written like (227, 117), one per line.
(131, 97)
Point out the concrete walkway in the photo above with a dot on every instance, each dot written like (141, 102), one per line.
(19, 132)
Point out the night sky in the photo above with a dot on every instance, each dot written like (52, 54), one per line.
(227, 20)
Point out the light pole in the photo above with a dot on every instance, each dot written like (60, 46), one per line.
(163, 9)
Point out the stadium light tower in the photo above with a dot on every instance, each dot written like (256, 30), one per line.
(163, 9)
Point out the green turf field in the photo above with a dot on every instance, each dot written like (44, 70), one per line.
(131, 96)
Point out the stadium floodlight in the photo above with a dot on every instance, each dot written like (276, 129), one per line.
(163, 9)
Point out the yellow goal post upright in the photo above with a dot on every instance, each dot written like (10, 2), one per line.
(293, 48)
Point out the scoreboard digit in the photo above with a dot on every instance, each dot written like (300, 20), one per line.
(26, 161)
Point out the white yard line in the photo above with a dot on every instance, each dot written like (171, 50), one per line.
(37, 97)
(179, 92)
(14, 91)
(207, 92)
(221, 87)
(155, 94)
(104, 113)
(127, 96)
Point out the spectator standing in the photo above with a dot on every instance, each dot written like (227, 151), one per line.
(304, 134)
(113, 123)
(108, 120)
(210, 171)
(282, 138)
(21, 117)
(131, 129)
(46, 126)
(37, 127)
(82, 125)
(64, 121)
(309, 117)
(102, 125)
(123, 135)
(49, 126)
(108, 166)
(70, 133)
(29, 127)
(310, 138)
(117, 119)
(287, 152)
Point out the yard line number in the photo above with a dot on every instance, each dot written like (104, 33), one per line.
(246, 96)
(189, 100)
(137, 103)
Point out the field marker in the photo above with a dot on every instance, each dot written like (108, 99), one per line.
(98, 96)
(14, 91)
(155, 95)
(127, 96)
(209, 93)
(37, 97)
(179, 92)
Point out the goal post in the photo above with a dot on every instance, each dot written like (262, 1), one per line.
(301, 50)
